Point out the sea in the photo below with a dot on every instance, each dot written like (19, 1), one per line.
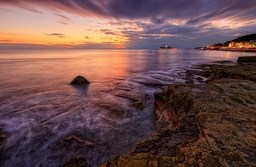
(48, 122)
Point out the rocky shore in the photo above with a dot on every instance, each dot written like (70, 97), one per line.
(209, 121)
(209, 124)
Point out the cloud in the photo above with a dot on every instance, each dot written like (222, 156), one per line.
(26, 46)
(109, 32)
(149, 22)
(60, 35)
(63, 19)
(157, 11)
(62, 22)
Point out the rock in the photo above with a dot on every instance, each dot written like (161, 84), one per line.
(78, 162)
(225, 62)
(246, 59)
(243, 72)
(219, 74)
(2, 139)
(199, 78)
(79, 80)
(206, 73)
(211, 124)
(188, 73)
(139, 105)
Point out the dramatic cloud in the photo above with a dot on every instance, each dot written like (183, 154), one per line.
(147, 22)
(156, 10)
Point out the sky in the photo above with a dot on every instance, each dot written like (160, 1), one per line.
(132, 24)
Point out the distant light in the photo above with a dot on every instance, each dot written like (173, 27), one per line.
(166, 46)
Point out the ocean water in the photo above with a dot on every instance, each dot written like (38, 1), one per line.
(48, 122)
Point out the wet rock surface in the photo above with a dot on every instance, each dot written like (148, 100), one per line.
(79, 80)
(211, 124)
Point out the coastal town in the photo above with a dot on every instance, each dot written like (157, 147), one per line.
(244, 43)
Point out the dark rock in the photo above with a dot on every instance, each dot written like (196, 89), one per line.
(194, 72)
(188, 73)
(199, 78)
(246, 59)
(2, 139)
(79, 80)
(224, 62)
(219, 74)
(139, 105)
(78, 162)
(243, 71)
(206, 73)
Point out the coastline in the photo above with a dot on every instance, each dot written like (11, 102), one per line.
(211, 124)
(198, 124)
(231, 49)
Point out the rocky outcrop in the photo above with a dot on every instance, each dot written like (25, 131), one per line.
(79, 80)
(242, 72)
(211, 124)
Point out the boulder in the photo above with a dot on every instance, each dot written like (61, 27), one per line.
(79, 80)
(246, 59)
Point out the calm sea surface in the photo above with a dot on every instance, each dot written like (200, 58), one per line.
(48, 122)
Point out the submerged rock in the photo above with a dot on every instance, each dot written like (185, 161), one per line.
(79, 80)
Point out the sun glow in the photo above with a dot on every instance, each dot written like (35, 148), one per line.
(56, 29)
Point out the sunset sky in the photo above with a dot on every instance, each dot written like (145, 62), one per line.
(123, 23)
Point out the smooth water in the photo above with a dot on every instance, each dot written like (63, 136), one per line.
(48, 122)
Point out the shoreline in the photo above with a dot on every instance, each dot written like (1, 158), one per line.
(210, 124)
(200, 124)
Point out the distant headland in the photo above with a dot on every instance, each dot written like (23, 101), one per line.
(244, 43)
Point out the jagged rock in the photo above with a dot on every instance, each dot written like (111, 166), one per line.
(79, 80)
(246, 59)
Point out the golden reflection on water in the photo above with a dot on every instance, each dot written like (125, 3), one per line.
(99, 65)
